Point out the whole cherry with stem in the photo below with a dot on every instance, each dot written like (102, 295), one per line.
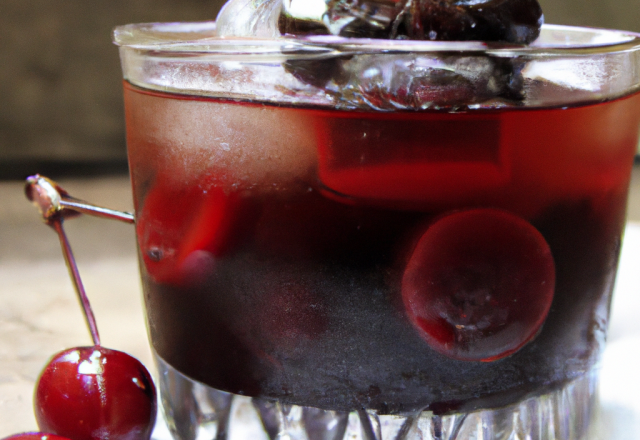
(88, 393)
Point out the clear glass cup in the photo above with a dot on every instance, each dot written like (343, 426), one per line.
(373, 239)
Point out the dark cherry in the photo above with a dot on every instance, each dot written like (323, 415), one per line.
(479, 284)
(35, 436)
(506, 21)
(316, 72)
(94, 393)
(181, 230)
(510, 21)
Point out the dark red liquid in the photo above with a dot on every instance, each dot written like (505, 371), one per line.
(275, 244)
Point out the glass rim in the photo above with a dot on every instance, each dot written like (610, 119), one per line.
(200, 38)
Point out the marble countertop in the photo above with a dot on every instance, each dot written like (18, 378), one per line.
(39, 314)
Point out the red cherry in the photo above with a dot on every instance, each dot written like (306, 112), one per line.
(93, 393)
(181, 230)
(35, 436)
(479, 284)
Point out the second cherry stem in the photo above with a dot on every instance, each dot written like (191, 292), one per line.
(70, 261)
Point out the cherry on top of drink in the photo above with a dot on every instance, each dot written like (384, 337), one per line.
(513, 21)
(479, 284)
(507, 21)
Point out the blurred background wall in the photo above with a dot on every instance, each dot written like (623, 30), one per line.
(60, 81)
(60, 87)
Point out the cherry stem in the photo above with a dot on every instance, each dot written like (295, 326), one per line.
(53, 201)
(83, 207)
(70, 261)
(55, 204)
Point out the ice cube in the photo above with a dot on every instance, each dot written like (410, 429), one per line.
(244, 18)
(347, 18)
(236, 146)
(405, 82)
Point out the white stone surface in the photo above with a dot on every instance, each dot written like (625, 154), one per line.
(619, 412)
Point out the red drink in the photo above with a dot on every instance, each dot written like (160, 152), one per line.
(296, 253)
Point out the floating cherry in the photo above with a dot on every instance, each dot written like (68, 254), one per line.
(88, 393)
(479, 284)
(181, 230)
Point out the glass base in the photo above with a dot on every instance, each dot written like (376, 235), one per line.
(195, 411)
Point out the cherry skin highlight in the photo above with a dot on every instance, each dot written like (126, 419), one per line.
(94, 393)
(35, 436)
(479, 284)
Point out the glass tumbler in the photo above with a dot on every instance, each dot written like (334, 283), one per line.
(374, 239)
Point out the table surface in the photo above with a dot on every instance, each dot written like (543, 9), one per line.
(40, 316)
